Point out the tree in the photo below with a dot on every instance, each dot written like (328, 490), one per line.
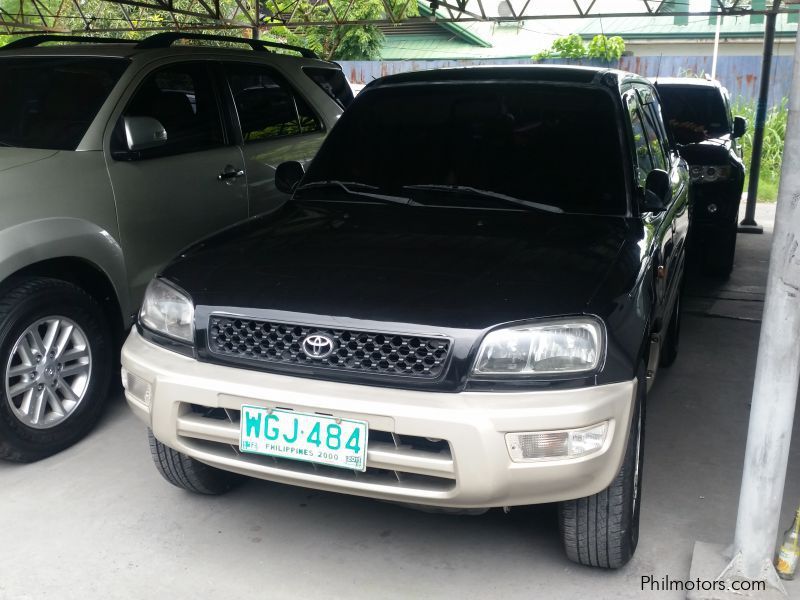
(606, 48)
(343, 42)
(572, 46)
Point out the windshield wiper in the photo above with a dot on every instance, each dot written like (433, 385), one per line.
(352, 188)
(464, 189)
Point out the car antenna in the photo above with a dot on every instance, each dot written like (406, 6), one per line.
(658, 67)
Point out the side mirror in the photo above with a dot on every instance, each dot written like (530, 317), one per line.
(739, 127)
(142, 133)
(657, 192)
(288, 175)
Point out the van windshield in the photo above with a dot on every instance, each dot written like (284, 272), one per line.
(553, 145)
(50, 102)
(703, 107)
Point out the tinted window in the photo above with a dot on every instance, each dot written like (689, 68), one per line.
(651, 131)
(693, 110)
(181, 97)
(50, 103)
(333, 83)
(267, 106)
(549, 144)
(644, 161)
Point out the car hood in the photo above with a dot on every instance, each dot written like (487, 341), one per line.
(713, 151)
(448, 268)
(11, 158)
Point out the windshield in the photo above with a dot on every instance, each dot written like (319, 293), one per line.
(553, 145)
(698, 109)
(50, 102)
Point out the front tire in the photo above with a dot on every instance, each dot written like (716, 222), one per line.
(189, 474)
(669, 349)
(720, 251)
(603, 530)
(55, 363)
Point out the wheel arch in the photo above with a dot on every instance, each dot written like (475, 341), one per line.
(73, 250)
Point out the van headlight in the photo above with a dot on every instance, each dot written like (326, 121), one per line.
(710, 173)
(167, 311)
(571, 345)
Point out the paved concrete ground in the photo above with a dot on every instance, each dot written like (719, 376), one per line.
(97, 521)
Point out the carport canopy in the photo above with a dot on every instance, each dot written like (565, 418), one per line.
(70, 16)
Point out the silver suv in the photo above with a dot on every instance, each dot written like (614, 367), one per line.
(114, 155)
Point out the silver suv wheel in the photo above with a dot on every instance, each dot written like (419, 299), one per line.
(48, 372)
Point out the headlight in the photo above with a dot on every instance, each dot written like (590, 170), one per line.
(710, 173)
(573, 345)
(167, 311)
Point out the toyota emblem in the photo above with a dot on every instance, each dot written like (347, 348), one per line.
(318, 346)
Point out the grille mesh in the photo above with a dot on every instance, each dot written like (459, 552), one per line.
(369, 352)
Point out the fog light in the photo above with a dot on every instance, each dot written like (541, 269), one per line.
(568, 443)
(137, 387)
(712, 208)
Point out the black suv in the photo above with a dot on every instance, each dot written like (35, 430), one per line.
(462, 306)
(699, 113)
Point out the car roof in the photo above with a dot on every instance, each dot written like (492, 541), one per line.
(129, 50)
(686, 82)
(543, 73)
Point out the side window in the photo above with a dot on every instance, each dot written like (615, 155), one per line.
(644, 162)
(267, 107)
(182, 98)
(333, 83)
(654, 128)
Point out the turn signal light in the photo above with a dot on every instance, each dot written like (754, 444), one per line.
(137, 387)
(568, 443)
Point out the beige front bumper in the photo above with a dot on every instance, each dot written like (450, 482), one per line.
(476, 471)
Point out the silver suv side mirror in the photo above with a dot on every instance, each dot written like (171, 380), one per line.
(142, 133)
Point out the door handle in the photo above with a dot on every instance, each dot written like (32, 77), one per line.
(230, 172)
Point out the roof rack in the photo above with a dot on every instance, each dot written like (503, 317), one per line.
(165, 40)
(37, 40)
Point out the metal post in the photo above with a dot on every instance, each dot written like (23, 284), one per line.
(716, 47)
(777, 373)
(749, 225)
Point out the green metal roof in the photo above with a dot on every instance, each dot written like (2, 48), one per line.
(401, 47)
(633, 28)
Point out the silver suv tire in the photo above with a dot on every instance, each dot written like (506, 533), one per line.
(55, 360)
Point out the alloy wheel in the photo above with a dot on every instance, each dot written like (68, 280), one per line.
(48, 372)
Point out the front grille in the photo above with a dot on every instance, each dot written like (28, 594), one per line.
(394, 461)
(354, 350)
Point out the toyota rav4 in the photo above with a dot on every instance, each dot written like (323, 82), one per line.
(462, 306)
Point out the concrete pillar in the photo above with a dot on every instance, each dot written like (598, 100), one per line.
(777, 373)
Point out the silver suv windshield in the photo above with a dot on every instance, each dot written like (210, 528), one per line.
(50, 102)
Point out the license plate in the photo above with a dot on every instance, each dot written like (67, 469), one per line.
(303, 436)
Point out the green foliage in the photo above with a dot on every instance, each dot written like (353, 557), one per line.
(606, 48)
(772, 152)
(347, 42)
(572, 46)
(343, 42)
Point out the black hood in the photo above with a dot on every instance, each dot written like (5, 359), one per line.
(443, 268)
(713, 151)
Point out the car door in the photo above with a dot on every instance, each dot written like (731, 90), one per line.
(277, 125)
(678, 210)
(194, 184)
(659, 224)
